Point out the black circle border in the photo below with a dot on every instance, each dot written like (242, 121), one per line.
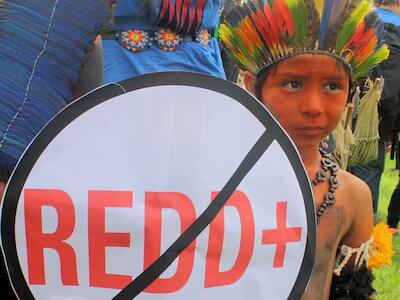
(100, 95)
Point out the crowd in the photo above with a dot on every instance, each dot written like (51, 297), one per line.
(302, 59)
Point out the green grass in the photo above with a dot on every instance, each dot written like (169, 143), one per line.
(387, 279)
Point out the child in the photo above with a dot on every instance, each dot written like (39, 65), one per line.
(301, 58)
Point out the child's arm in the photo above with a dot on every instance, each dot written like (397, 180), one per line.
(351, 277)
(360, 210)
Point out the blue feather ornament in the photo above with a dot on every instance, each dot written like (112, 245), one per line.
(43, 44)
(332, 17)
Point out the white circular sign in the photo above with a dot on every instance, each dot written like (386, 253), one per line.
(167, 186)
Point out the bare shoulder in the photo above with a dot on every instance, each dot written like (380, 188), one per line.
(354, 188)
(355, 195)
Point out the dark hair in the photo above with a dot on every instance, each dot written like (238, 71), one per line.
(261, 77)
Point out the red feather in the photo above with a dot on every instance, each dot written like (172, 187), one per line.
(261, 23)
(360, 38)
(357, 33)
(273, 26)
(366, 48)
(171, 12)
(200, 7)
(185, 8)
(191, 17)
(283, 17)
(163, 9)
(179, 21)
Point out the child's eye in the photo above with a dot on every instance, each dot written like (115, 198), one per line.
(332, 86)
(293, 84)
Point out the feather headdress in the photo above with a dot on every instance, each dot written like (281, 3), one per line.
(42, 47)
(263, 32)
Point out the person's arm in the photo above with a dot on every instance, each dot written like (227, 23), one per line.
(363, 217)
(353, 280)
(91, 75)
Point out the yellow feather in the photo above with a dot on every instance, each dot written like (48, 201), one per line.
(381, 250)
(319, 4)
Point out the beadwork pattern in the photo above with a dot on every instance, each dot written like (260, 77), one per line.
(134, 40)
(167, 39)
(203, 37)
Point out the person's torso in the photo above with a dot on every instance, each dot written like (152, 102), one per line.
(334, 223)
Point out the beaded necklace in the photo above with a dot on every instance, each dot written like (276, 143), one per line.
(322, 175)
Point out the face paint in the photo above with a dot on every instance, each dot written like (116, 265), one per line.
(307, 95)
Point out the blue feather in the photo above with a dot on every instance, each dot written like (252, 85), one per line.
(324, 22)
(43, 44)
(333, 14)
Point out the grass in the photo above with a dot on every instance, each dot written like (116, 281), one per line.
(387, 279)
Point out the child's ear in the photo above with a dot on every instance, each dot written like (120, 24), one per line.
(250, 82)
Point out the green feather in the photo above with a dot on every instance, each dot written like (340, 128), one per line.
(349, 27)
(381, 54)
(298, 10)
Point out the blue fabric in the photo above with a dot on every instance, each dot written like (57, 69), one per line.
(371, 173)
(388, 16)
(120, 64)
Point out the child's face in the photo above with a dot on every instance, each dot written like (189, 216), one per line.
(307, 95)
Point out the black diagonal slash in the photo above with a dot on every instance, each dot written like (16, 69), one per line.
(193, 231)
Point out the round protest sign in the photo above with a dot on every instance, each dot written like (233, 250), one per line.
(165, 186)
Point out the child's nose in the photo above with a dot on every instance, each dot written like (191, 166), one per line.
(311, 104)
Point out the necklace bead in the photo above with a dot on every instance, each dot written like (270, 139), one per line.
(327, 165)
